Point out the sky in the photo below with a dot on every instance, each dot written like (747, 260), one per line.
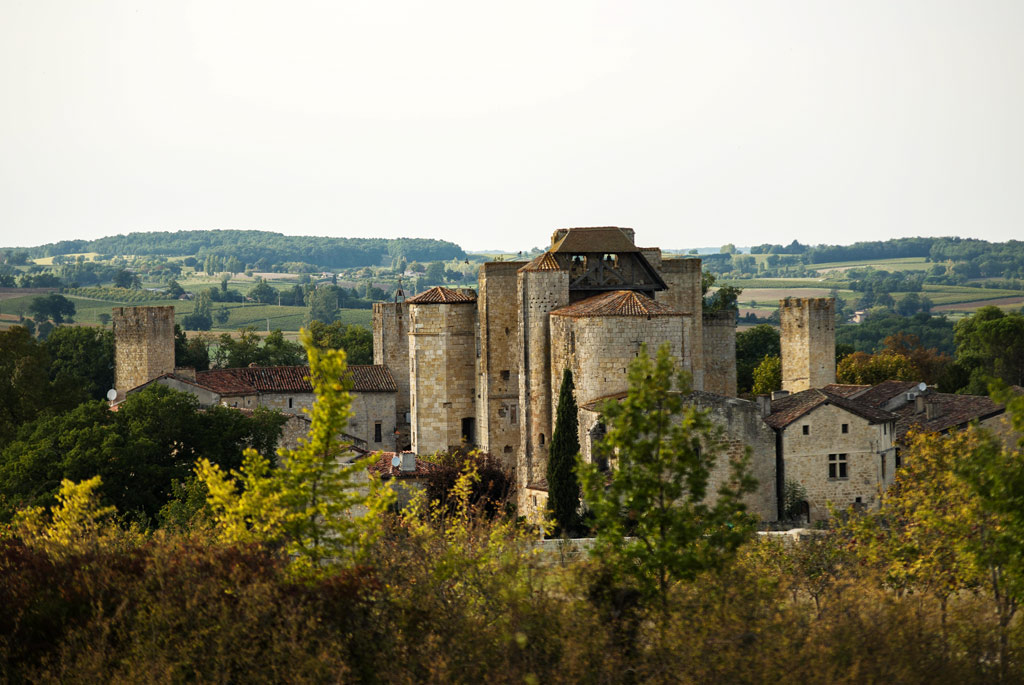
(492, 124)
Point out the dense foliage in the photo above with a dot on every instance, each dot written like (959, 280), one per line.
(253, 246)
(563, 486)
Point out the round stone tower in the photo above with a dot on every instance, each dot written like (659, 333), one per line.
(442, 369)
(143, 345)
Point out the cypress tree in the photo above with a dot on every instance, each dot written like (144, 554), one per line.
(563, 487)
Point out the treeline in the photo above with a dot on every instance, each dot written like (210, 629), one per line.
(253, 246)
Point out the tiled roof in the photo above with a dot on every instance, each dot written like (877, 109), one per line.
(885, 391)
(441, 295)
(253, 380)
(383, 468)
(542, 262)
(595, 239)
(948, 411)
(371, 378)
(846, 389)
(788, 409)
(617, 303)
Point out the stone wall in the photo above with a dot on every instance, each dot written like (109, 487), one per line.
(442, 362)
(742, 427)
(498, 367)
(368, 410)
(870, 458)
(391, 349)
(144, 345)
(599, 350)
(682, 276)
(808, 342)
(719, 330)
(538, 293)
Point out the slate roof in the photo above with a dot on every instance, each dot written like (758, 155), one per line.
(542, 262)
(441, 295)
(617, 303)
(254, 380)
(788, 409)
(595, 239)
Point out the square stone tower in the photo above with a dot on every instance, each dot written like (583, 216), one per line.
(143, 345)
(720, 352)
(808, 342)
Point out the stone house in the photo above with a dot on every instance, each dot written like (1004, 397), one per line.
(840, 450)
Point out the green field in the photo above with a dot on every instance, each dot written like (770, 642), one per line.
(257, 315)
(904, 264)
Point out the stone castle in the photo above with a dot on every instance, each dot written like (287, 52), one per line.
(484, 368)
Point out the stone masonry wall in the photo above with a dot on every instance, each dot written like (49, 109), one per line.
(806, 458)
(144, 345)
(539, 293)
(498, 367)
(369, 409)
(442, 362)
(599, 350)
(682, 276)
(742, 427)
(391, 348)
(720, 353)
(808, 342)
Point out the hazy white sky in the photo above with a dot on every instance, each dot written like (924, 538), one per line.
(696, 123)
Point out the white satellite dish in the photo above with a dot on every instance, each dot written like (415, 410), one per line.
(922, 387)
(111, 394)
(396, 461)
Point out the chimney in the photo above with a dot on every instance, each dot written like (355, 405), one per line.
(930, 410)
(185, 372)
(919, 404)
(408, 461)
(764, 403)
(779, 394)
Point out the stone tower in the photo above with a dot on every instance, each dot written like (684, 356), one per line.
(808, 342)
(720, 352)
(498, 366)
(143, 344)
(442, 369)
(684, 295)
(391, 348)
(543, 286)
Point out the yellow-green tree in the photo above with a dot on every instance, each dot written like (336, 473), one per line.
(768, 375)
(318, 501)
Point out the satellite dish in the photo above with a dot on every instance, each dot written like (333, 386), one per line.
(111, 394)
(396, 461)
(922, 387)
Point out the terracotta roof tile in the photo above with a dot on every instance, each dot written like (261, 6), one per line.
(253, 380)
(617, 303)
(595, 239)
(441, 295)
(847, 390)
(383, 468)
(788, 409)
(542, 262)
(885, 391)
(949, 411)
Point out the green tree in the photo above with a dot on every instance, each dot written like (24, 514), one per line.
(563, 486)
(154, 438)
(191, 351)
(655, 522)
(323, 304)
(53, 306)
(871, 369)
(25, 387)
(263, 292)
(318, 500)
(435, 273)
(752, 346)
(767, 376)
(81, 361)
(248, 348)
(990, 344)
(356, 340)
(174, 289)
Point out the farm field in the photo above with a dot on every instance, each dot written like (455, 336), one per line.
(1011, 303)
(288, 319)
(904, 264)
